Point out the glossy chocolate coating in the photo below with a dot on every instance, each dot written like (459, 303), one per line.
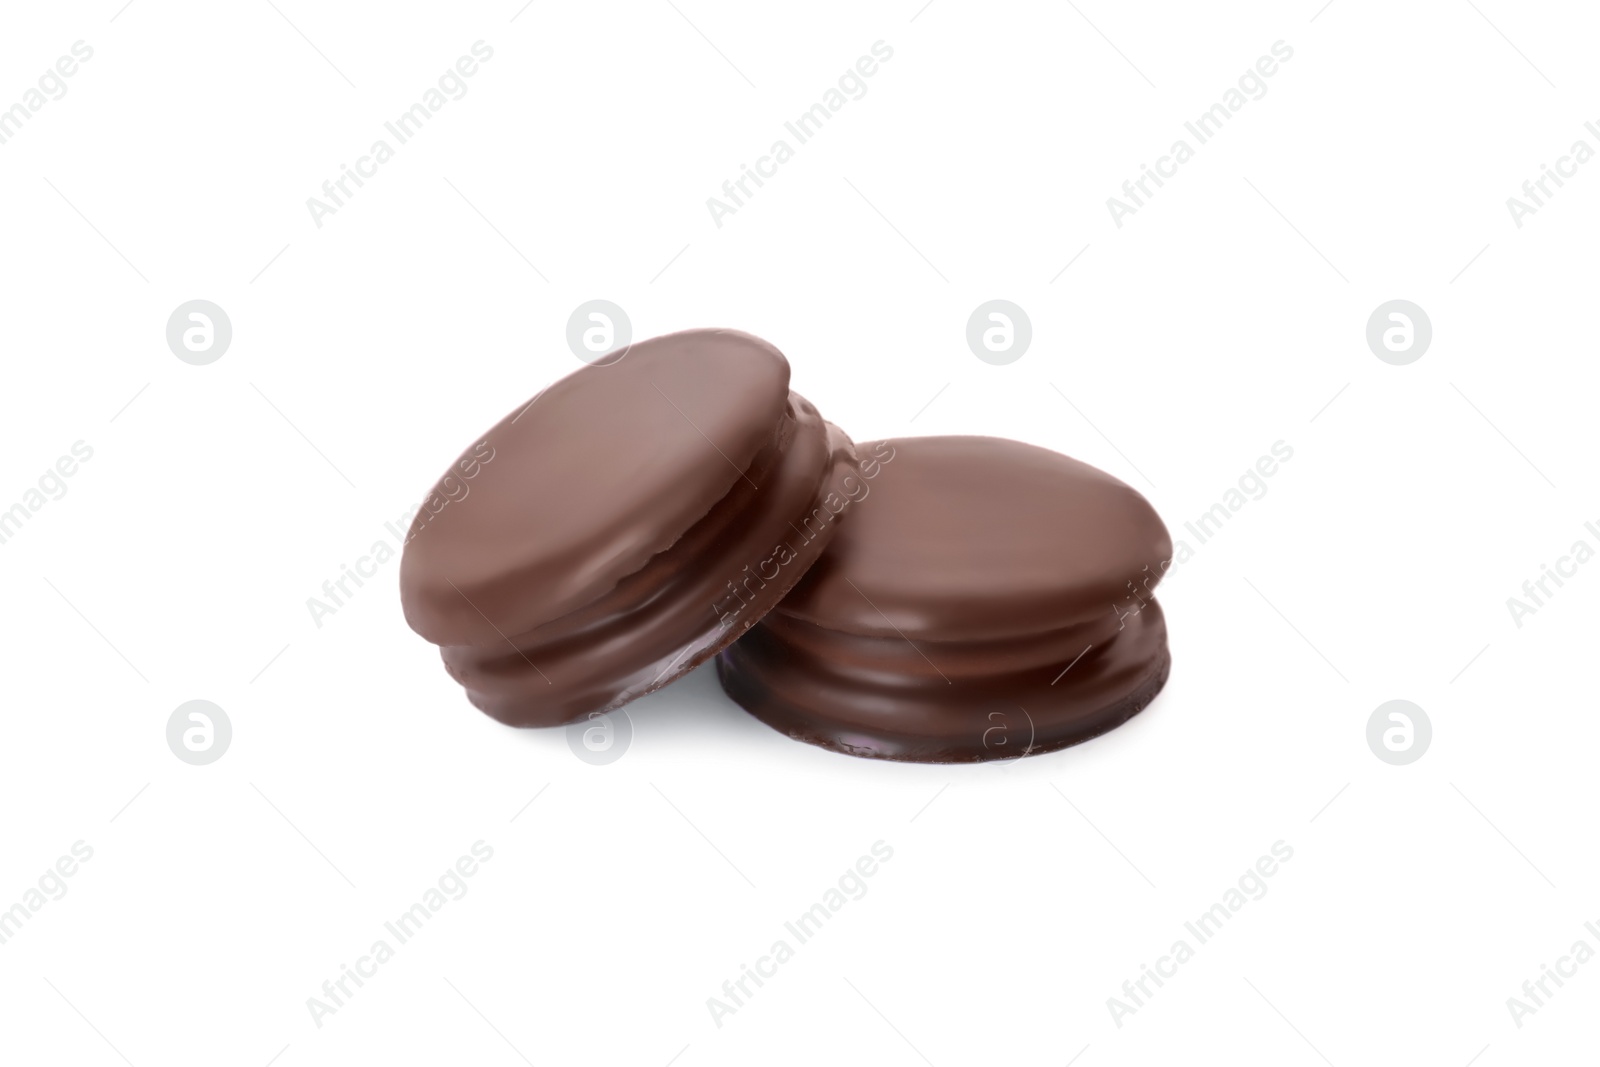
(591, 558)
(987, 600)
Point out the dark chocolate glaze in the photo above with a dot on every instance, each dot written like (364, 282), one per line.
(593, 557)
(990, 599)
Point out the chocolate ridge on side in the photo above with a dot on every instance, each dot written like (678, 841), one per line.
(686, 603)
(916, 638)
(586, 482)
(945, 702)
(984, 537)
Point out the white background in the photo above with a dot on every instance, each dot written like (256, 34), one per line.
(1226, 315)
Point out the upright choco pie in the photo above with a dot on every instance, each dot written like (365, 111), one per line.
(623, 526)
(990, 599)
